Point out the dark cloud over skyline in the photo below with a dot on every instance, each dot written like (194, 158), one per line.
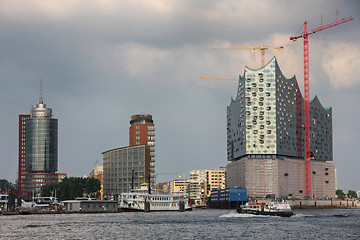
(103, 61)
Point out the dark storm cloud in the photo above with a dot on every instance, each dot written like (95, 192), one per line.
(102, 61)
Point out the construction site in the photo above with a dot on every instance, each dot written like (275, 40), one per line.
(280, 142)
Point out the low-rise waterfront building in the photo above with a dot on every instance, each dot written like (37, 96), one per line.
(197, 186)
(228, 198)
(202, 182)
(179, 186)
(98, 173)
(215, 179)
(90, 205)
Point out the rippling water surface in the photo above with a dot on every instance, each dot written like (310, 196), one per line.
(198, 224)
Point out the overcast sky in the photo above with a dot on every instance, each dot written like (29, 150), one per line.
(102, 61)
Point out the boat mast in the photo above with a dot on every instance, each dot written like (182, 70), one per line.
(149, 187)
(132, 180)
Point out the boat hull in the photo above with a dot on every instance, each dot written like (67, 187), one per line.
(272, 213)
(125, 209)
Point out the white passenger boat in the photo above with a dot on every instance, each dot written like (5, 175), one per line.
(40, 203)
(145, 202)
(274, 208)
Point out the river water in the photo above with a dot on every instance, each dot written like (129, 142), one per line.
(198, 224)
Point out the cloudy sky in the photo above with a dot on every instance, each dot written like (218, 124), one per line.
(102, 61)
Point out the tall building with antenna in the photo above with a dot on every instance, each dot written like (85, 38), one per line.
(39, 142)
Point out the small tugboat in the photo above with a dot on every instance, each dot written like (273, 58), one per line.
(281, 209)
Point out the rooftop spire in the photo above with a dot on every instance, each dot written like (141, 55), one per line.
(41, 101)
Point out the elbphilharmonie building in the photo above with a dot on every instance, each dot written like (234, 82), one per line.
(265, 137)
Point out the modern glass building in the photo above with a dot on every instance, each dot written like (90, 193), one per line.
(120, 164)
(265, 137)
(138, 158)
(41, 149)
(265, 119)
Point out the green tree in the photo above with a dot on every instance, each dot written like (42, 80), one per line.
(49, 190)
(340, 194)
(71, 188)
(92, 186)
(351, 194)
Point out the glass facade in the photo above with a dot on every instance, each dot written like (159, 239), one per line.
(265, 119)
(118, 165)
(41, 153)
(41, 145)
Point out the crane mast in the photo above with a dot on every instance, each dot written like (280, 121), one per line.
(261, 48)
(307, 93)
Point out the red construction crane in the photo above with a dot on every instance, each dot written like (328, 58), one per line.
(307, 92)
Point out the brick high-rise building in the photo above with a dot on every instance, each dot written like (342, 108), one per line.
(22, 153)
(142, 132)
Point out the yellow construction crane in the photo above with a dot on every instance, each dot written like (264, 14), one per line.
(261, 48)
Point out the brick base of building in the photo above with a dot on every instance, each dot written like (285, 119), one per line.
(282, 177)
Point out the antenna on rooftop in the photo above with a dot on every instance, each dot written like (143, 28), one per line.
(41, 101)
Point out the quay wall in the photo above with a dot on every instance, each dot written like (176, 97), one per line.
(297, 204)
(330, 203)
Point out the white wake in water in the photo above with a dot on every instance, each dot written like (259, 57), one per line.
(234, 214)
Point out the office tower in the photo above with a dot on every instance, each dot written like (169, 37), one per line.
(142, 131)
(123, 169)
(129, 167)
(41, 151)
